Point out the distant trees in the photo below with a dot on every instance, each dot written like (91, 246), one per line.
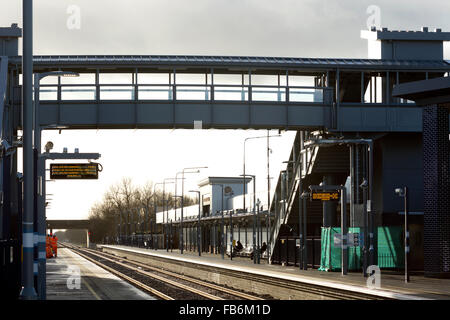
(128, 202)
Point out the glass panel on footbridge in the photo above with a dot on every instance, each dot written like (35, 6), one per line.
(116, 93)
(78, 92)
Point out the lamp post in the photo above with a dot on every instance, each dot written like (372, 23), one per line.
(285, 186)
(403, 192)
(182, 195)
(259, 233)
(303, 239)
(198, 225)
(254, 214)
(170, 180)
(268, 177)
(39, 171)
(180, 244)
(155, 208)
(222, 251)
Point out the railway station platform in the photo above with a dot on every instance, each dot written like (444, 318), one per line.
(93, 283)
(392, 285)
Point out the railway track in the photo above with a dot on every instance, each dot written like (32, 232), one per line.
(195, 289)
(263, 283)
(163, 284)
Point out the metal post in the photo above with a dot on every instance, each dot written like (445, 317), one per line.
(254, 219)
(35, 223)
(199, 234)
(182, 206)
(120, 227)
(344, 233)
(182, 197)
(231, 235)
(28, 291)
(370, 209)
(406, 235)
(180, 240)
(365, 229)
(246, 238)
(171, 236)
(167, 216)
(244, 184)
(258, 243)
(155, 206)
(300, 227)
(283, 192)
(254, 235)
(268, 188)
(222, 230)
(305, 237)
(244, 175)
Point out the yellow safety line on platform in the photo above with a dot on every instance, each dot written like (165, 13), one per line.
(86, 283)
(90, 289)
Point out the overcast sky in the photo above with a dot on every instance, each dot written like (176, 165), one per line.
(295, 28)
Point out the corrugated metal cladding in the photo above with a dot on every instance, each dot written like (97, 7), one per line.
(236, 61)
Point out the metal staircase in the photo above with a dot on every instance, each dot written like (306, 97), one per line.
(300, 164)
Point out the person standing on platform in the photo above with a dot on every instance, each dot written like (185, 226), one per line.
(54, 242)
(48, 248)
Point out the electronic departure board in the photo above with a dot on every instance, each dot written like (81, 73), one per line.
(325, 195)
(74, 171)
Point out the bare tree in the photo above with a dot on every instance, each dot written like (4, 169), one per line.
(123, 203)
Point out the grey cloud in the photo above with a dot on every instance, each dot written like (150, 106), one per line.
(308, 28)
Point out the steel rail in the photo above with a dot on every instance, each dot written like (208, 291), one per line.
(121, 275)
(162, 279)
(196, 281)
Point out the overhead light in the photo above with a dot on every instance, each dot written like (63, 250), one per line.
(48, 146)
(399, 192)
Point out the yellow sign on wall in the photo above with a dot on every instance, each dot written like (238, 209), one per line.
(325, 195)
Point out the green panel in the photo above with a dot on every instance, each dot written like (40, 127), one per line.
(390, 250)
(390, 247)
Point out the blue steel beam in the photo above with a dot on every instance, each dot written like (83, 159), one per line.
(229, 115)
(166, 115)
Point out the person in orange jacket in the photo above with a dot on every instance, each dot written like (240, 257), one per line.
(54, 244)
(48, 248)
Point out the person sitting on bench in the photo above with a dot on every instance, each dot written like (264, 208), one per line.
(261, 250)
(238, 247)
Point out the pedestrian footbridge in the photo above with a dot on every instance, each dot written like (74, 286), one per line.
(169, 92)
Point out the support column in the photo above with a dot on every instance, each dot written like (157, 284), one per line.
(28, 291)
(436, 181)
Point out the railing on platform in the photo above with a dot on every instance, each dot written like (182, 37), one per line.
(288, 249)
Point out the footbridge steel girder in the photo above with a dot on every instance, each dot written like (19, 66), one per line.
(183, 115)
(68, 224)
